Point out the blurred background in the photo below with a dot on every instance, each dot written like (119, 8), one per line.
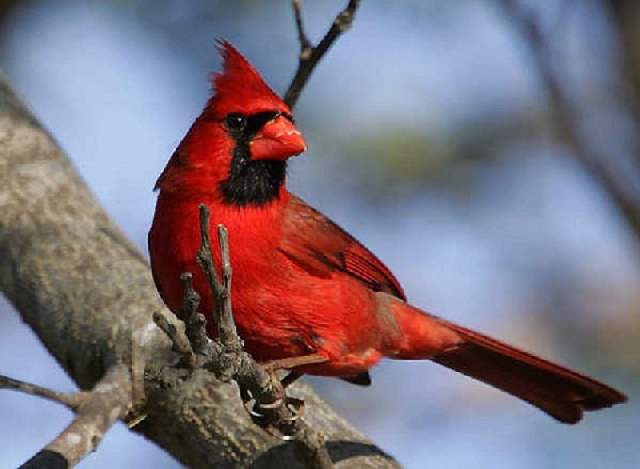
(487, 150)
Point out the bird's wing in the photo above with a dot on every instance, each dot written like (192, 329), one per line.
(321, 247)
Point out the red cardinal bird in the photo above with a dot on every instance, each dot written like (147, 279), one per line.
(302, 286)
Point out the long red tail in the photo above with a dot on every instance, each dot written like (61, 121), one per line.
(558, 391)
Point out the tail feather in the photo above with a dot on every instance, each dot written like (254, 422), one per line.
(558, 391)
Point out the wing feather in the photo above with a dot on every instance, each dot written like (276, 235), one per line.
(321, 247)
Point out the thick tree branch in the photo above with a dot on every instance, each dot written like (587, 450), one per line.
(89, 297)
(310, 55)
(565, 120)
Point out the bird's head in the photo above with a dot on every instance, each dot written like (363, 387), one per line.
(251, 111)
(240, 143)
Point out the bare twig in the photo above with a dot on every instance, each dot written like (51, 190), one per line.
(310, 55)
(193, 343)
(222, 315)
(95, 410)
(305, 44)
(565, 118)
(228, 333)
(108, 401)
(181, 344)
(72, 400)
(195, 322)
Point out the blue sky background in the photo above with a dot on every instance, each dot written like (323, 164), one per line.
(427, 139)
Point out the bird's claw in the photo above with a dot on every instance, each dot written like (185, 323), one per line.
(296, 406)
(263, 415)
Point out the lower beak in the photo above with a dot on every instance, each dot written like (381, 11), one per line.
(277, 140)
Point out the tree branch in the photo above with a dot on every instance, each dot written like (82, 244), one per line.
(96, 412)
(71, 400)
(222, 314)
(621, 195)
(305, 43)
(624, 15)
(310, 55)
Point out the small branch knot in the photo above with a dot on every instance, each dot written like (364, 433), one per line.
(344, 20)
(305, 53)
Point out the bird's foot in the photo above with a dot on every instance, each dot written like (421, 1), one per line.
(278, 418)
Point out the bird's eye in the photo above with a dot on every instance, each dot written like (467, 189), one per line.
(236, 121)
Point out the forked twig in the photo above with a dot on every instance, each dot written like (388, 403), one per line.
(95, 412)
(310, 55)
(222, 313)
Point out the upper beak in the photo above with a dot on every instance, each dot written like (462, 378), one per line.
(277, 140)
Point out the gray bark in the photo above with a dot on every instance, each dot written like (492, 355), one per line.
(89, 296)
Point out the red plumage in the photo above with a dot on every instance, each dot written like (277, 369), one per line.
(302, 285)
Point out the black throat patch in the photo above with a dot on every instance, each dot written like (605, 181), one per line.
(250, 182)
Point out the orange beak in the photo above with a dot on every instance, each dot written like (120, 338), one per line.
(277, 140)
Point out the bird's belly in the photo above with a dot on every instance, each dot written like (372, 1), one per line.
(293, 315)
(281, 314)
(280, 309)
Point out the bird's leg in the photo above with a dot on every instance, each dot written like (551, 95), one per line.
(294, 362)
(260, 412)
(290, 378)
(289, 363)
(273, 366)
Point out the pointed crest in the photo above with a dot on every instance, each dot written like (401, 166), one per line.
(240, 88)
